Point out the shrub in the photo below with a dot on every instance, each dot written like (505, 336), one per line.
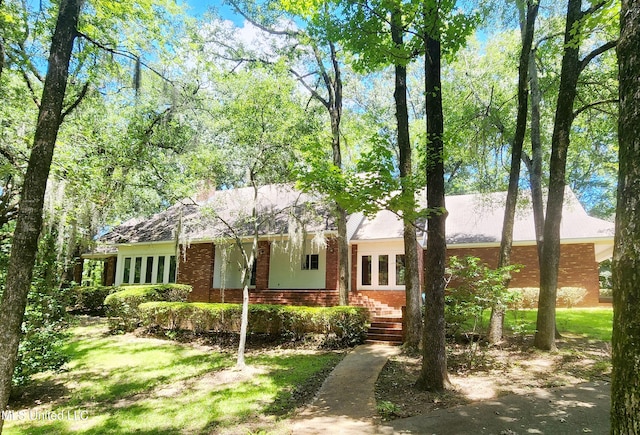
(566, 296)
(45, 319)
(571, 296)
(90, 300)
(528, 297)
(476, 288)
(344, 326)
(122, 306)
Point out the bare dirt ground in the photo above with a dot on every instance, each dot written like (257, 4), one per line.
(482, 372)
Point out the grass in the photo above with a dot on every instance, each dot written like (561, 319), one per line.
(590, 323)
(125, 384)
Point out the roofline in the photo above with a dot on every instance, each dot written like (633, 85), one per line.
(210, 240)
(96, 256)
(573, 241)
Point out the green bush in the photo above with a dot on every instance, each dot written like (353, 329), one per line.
(122, 306)
(90, 300)
(343, 326)
(475, 288)
(45, 319)
(566, 296)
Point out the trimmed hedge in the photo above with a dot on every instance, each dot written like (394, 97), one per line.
(122, 306)
(345, 325)
(90, 300)
(566, 296)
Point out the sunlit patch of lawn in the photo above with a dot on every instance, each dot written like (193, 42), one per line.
(126, 384)
(590, 323)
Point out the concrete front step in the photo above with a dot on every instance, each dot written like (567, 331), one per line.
(385, 342)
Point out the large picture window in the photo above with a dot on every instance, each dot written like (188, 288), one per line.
(399, 269)
(152, 269)
(160, 272)
(138, 271)
(383, 270)
(366, 270)
(127, 270)
(149, 271)
(172, 269)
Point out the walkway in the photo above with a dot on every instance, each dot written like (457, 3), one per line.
(346, 405)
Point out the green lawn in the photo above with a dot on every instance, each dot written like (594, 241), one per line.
(590, 323)
(127, 384)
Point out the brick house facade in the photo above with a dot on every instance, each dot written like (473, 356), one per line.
(147, 249)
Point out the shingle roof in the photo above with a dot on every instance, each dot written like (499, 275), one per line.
(472, 219)
(279, 208)
(477, 218)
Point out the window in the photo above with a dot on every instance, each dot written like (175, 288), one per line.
(366, 270)
(127, 270)
(148, 271)
(399, 269)
(160, 273)
(138, 271)
(311, 262)
(254, 272)
(172, 269)
(383, 270)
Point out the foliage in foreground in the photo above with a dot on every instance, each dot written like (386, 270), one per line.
(147, 386)
(343, 325)
(45, 319)
(90, 299)
(122, 306)
(473, 289)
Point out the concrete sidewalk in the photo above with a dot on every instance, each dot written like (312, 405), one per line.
(346, 405)
(582, 408)
(346, 402)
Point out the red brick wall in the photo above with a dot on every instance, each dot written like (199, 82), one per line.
(578, 267)
(354, 268)
(332, 264)
(196, 269)
(109, 273)
(262, 266)
(393, 298)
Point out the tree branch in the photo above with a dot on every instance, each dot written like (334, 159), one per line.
(290, 33)
(597, 52)
(125, 54)
(77, 101)
(595, 104)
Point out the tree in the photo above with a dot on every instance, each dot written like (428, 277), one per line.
(375, 31)
(625, 379)
(29, 219)
(572, 66)
(504, 259)
(314, 42)
(441, 29)
(261, 123)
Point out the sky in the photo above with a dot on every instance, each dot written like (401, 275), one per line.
(198, 7)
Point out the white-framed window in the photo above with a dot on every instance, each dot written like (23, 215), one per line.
(381, 271)
(148, 269)
(311, 262)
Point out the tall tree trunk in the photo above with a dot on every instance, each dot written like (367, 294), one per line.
(534, 165)
(413, 321)
(29, 219)
(549, 263)
(249, 260)
(433, 374)
(625, 379)
(504, 259)
(334, 106)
